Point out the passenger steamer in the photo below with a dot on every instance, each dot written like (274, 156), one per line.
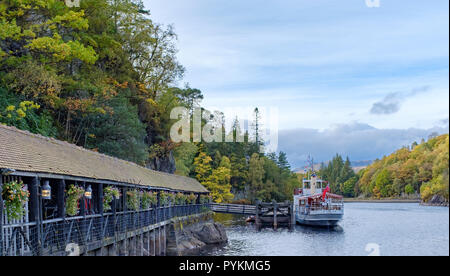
(314, 205)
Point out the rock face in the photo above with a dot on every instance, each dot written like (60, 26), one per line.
(436, 200)
(193, 239)
(163, 164)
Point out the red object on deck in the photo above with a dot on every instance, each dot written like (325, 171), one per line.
(325, 192)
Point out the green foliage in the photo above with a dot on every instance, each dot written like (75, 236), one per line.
(217, 181)
(25, 115)
(119, 132)
(409, 189)
(184, 156)
(337, 173)
(349, 187)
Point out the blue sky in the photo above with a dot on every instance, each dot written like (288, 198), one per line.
(324, 64)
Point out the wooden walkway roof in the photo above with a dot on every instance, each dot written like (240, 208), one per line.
(26, 152)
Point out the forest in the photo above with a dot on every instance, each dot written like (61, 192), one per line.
(105, 76)
(419, 169)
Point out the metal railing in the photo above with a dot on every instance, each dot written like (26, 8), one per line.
(57, 236)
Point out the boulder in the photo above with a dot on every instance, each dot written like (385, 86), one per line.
(212, 233)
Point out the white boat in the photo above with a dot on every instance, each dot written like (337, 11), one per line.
(314, 205)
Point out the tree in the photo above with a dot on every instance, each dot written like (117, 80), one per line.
(118, 133)
(203, 169)
(255, 175)
(349, 187)
(283, 162)
(409, 190)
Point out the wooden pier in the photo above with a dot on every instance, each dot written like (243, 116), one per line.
(273, 214)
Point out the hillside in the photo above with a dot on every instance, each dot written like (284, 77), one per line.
(422, 168)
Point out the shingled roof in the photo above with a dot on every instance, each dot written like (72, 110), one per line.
(26, 152)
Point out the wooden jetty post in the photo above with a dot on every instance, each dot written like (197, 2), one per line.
(275, 214)
(257, 215)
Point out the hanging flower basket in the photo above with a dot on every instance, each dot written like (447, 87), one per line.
(204, 199)
(133, 200)
(180, 199)
(15, 197)
(192, 199)
(148, 199)
(73, 195)
(110, 193)
(164, 198)
(172, 198)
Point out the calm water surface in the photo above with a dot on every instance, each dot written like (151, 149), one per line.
(378, 228)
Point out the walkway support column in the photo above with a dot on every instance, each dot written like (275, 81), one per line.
(35, 214)
(1, 215)
(60, 198)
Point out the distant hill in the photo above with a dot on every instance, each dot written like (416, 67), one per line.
(356, 165)
(361, 163)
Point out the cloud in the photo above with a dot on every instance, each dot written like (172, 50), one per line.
(389, 105)
(392, 102)
(358, 141)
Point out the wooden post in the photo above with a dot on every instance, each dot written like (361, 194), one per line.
(257, 221)
(114, 211)
(1, 215)
(99, 199)
(83, 201)
(275, 213)
(292, 216)
(34, 200)
(60, 198)
(35, 214)
(99, 203)
(125, 209)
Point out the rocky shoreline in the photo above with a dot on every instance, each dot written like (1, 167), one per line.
(436, 200)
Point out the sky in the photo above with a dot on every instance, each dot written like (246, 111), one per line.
(344, 77)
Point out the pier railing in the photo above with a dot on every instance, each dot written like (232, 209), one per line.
(233, 209)
(64, 235)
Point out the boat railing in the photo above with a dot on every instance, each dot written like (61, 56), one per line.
(322, 209)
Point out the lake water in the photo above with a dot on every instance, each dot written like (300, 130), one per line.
(385, 229)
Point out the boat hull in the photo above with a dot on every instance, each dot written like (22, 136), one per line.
(320, 220)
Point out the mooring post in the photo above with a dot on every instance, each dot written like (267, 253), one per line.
(257, 219)
(275, 213)
(292, 215)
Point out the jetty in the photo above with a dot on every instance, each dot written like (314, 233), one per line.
(273, 215)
